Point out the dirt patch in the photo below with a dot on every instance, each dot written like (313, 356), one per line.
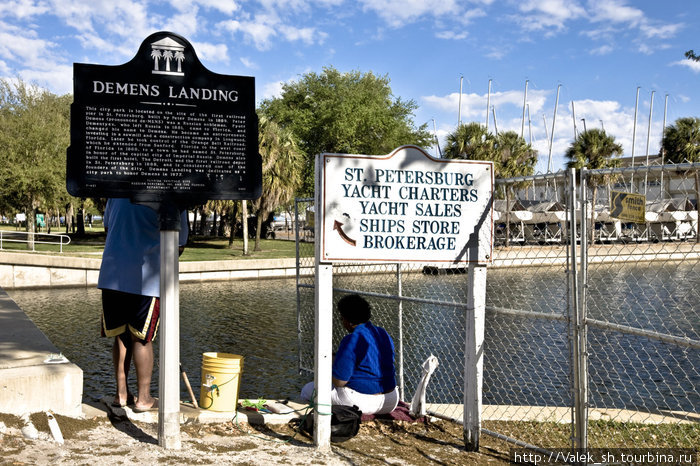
(117, 440)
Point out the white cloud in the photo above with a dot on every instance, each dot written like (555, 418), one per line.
(228, 7)
(24, 47)
(126, 18)
(548, 15)
(451, 35)
(185, 23)
(271, 90)
(615, 11)
(693, 65)
(474, 105)
(662, 31)
(216, 53)
(58, 79)
(248, 63)
(22, 9)
(397, 13)
(602, 50)
(264, 28)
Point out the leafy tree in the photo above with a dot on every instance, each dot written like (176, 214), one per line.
(691, 55)
(351, 112)
(34, 134)
(594, 149)
(470, 141)
(681, 143)
(282, 163)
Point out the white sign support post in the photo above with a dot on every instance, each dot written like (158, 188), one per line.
(404, 207)
(323, 343)
(474, 355)
(169, 385)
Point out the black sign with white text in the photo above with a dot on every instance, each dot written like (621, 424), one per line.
(163, 127)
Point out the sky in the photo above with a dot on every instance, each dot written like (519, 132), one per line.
(599, 54)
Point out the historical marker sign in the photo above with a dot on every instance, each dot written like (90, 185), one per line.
(163, 127)
(406, 207)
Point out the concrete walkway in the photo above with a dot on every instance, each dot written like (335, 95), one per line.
(33, 376)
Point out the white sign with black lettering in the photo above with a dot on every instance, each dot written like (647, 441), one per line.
(405, 207)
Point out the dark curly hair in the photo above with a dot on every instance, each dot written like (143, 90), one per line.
(355, 309)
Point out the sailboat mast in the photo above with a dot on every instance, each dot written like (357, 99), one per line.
(663, 152)
(573, 115)
(651, 109)
(634, 135)
(522, 123)
(551, 137)
(459, 111)
(495, 123)
(488, 106)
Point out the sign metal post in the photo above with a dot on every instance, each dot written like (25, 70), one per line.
(167, 133)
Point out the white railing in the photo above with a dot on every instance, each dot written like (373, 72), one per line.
(33, 238)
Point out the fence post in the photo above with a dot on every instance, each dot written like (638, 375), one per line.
(474, 354)
(399, 286)
(574, 309)
(581, 341)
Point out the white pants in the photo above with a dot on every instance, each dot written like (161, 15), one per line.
(383, 403)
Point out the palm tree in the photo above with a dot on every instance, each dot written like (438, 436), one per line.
(156, 56)
(470, 141)
(282, 164)
(180, 57)
(513, 157)
(681, 143)
(593, 149)
(167, 56)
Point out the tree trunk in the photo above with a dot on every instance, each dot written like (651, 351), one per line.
(244, 221)
(31, 224)
(233, 214)
(258, 231)
(222, 224)
(81, 220)
(69, 217)
(213, 230)
(194, 220)
(202, 221)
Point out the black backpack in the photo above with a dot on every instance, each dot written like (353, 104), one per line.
(345, 423)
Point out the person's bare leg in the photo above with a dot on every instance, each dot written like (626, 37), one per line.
(121, 359)
(143, 363)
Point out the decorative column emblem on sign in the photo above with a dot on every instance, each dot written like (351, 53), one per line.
(164, 52)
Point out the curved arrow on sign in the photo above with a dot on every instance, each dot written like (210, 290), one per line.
(617, 204)
(339, 226)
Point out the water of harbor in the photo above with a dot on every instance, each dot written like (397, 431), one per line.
(526, 359)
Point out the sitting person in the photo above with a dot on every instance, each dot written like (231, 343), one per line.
(363, 368)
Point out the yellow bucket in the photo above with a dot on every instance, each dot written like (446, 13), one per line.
(221, 380)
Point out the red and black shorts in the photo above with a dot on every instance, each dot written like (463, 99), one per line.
(138, 314)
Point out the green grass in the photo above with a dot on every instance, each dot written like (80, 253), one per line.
(199, 248)
(602, 434)
(212, 249)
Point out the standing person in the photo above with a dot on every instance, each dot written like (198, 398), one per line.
(363, 368)
(130, 283)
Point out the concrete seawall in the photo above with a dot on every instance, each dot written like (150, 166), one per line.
(29, 270)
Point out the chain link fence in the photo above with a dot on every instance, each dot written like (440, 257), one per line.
(592, 342)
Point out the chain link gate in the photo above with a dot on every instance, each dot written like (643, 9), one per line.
(642, 309)
(572, 358)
